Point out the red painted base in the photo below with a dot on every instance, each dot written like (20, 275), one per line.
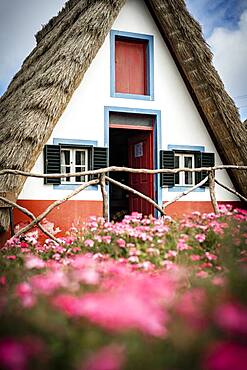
(76, 211)
(180, 209)
(63, 216)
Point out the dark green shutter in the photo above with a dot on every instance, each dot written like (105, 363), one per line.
(198, 161)
(100, 158)
(208, 160)
(167, 161)
(52, 163)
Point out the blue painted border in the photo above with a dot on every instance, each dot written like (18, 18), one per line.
(191, 148)
(157, 140)
(57, 141)
(150, 64)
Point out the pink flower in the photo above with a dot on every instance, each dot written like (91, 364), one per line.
(16, 354)
(49, 282)
(67, 303)
(56, 256)
(181, 245)
(153, 251)
(98, 238)
(3, 280)
(210, 256)
(147, 265)
(13, 355)
(169, 265)
(25, 294)
(133, 259)
(190, 307)
(200, 237)
(89, 243)
(226, 356)
(87, 275)
(195, 257)
(34, 262)
(106, 239)
(10, 257)
(134, 252)
(171, 254)
(121, 243)
(218, 280)
(105, 309)
(24, 245)
(232, 317)
(107, 358)
(202, 274)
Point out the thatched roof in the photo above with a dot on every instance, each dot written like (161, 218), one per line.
(41, 90)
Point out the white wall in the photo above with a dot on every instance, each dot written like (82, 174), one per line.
(84, 116)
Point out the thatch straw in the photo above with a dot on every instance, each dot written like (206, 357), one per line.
(41, 90)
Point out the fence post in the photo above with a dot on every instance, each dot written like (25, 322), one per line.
(211, 179)
(104, 196)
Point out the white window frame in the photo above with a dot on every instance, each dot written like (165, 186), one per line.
(72, 180)
(181, 174)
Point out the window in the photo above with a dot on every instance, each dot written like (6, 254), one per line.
(187, 161)
(131, 65)
(74, 160)
(68, 158)
(184, 156)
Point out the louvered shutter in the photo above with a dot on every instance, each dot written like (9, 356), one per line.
(208, 160)
(52, 163)
(100, 158)
(198, 161)
(167, 161)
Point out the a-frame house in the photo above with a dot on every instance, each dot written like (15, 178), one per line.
(126, 83)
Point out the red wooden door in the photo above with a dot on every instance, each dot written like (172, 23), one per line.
(140, 149)
(130, 66)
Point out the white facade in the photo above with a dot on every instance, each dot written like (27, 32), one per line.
(83, 119)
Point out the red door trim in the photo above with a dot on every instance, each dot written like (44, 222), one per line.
(131, 127)
(142, 179)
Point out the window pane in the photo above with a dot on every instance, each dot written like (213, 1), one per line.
(176, 165)
(65, 157)
(66, 169)
(188, 162)
(80, 178)
(80, 157)
(188, 176)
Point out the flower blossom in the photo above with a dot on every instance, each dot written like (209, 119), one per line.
(89, 243)
(121, 243)
(200, 238)
(107, 358)
(34, 262)
(232, 317)
(226, 356)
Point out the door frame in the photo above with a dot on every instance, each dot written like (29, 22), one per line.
(157, 140)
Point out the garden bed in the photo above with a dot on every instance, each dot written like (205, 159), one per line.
(142, 294)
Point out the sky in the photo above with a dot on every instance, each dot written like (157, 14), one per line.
(224, 24)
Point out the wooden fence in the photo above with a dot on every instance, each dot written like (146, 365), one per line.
(102, 178)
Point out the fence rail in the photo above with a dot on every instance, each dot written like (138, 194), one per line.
(103, 178)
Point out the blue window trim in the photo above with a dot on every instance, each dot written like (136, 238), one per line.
(150, 64)
(157, 140)
(59, 141)
(191, 148)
